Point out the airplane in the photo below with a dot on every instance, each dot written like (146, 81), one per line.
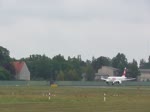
(117, 79)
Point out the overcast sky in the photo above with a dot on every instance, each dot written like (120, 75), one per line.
(72, 27)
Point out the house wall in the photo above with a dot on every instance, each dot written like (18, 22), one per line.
(145, 75)
(98, 76)
(24, 73)
(105, 71)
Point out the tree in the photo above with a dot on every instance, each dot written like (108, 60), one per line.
(144, 64)
(58, 64)
(4, 56)
(88, 72)
(4, 74)
(61, 76)
(40, 67)
(101, 61)
(4, 64)
(76, 64)
(72, 75)
(120, 61)
(133, 70)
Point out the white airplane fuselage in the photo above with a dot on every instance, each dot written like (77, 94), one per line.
(117, 79)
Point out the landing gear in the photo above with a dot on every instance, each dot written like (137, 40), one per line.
(118, 83)
(107, 83)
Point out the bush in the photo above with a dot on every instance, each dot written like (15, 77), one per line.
(4, 74)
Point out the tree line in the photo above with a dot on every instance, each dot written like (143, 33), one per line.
(58, 68)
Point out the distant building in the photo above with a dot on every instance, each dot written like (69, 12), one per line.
(145, 75)
(21, 71)
(105, 72)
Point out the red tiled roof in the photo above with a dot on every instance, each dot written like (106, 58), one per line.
(18, 66)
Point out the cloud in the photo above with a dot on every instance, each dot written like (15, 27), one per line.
(72, 27)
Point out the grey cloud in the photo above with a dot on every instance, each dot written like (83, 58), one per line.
(114, 10)
(72, 27)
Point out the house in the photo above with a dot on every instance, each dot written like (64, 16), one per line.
(21, 71)
(145, 75)
(105, 72)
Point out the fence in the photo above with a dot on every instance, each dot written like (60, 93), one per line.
(24, 83)
(99, 83)
(68, 83)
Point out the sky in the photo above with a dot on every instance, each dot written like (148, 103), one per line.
(90, 28)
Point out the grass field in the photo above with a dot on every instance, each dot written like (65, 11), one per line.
(74, 99)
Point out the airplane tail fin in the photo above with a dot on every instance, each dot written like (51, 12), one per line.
(124, 72)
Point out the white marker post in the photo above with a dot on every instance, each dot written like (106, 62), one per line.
(104, 97)
(49, 96)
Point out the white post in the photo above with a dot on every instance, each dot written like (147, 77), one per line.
(49, 96)
(104, 97)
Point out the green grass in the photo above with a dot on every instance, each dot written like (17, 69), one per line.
(74, 99)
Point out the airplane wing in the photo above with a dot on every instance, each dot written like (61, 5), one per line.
(103, 79)
(128, 79)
